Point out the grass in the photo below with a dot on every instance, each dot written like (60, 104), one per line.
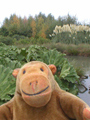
(71, 49)
(68, 49)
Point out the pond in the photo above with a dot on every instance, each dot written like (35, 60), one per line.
(85, 63)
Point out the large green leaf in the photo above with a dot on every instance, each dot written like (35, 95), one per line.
(52, 57)
(7, 83)
(9, 63)
(12, 57)
(35, 52)
(63, 85)
(68, 73)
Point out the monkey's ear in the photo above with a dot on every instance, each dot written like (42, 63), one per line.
(53, 68)
(15, 72)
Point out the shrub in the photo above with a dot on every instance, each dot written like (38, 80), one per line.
(6, 40)
(12, 57)
(18, 37)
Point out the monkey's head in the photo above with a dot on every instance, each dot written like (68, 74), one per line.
(35, 82)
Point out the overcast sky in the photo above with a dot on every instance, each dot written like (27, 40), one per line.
(78, 8)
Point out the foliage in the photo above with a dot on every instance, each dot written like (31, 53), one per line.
(12, 57)
(71, 49)
(71, 34)
(7, 83)
(6, 40)
(20, 39)
(38, 26)
(4, 31)
(38, 29)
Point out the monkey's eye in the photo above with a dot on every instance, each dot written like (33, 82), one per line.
(24, 71)
(41, 69)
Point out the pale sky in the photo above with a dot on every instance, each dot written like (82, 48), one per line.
(78, 8)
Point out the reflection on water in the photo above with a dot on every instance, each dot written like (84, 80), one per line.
(85, 63)
(81, 61)
(86, 95)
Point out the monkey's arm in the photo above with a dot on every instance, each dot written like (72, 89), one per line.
(6, 111)
(74, 107)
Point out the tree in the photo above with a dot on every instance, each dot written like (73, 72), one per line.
(69, 20)
(39, 24)
(6, 23)
(33, 27)
(50, 23)
(42, 15)
(42, 32)
(12, 25)
(4, 31)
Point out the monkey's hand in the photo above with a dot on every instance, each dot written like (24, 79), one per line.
(86, 114)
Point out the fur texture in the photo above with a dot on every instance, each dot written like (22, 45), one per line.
(39, 97)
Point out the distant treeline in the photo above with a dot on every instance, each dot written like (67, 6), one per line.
(37, 26)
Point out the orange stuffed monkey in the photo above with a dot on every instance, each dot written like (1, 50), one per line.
(39, 97)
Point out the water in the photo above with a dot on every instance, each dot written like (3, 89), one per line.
(85, 63)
